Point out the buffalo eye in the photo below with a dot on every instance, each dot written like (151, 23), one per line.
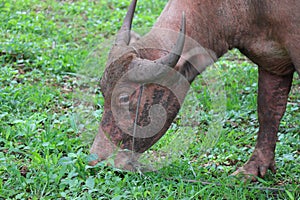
(124, 99)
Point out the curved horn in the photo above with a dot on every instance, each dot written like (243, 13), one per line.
(123, 36)
(172, 58)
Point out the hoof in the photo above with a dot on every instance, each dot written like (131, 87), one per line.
(257, 166)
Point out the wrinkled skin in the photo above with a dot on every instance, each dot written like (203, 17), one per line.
(267, 32)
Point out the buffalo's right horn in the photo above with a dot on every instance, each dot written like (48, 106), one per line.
(123, 36)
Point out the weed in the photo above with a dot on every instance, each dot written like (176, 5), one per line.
(52, 54)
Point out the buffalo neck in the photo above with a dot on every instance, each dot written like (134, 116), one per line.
(213, 26)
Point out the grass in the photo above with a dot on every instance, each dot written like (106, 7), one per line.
(52, 54)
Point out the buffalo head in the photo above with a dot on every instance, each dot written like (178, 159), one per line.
(142, 97)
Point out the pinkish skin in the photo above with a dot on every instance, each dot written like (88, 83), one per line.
(267, 32)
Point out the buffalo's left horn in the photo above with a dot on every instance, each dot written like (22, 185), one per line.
(123, 36)
(172, 58)
(146, 71)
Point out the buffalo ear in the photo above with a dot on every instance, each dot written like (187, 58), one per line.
(188, 71)
(195, 62)
(114, 71)
(122, 62)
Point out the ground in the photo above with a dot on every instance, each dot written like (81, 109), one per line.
(52, 55)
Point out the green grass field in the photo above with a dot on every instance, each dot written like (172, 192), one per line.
(52, 55)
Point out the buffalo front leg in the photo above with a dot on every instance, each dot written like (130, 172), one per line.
(273, 93)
